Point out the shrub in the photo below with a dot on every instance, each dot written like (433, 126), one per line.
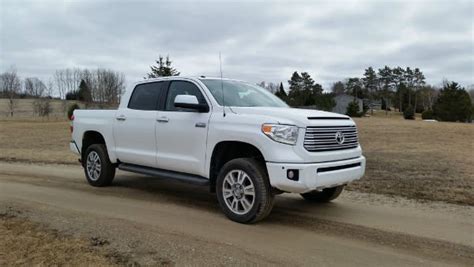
(427, 115)
(353, 109)
(70, 110)
(73, 95)
(409, 113)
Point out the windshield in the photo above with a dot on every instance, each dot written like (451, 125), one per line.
(241, 94)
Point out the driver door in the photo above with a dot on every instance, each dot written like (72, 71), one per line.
(181, 134)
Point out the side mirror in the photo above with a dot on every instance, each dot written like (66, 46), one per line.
(190, 102)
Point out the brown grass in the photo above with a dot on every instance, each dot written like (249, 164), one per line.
(35, 141)
(415, 159)
(24, 243)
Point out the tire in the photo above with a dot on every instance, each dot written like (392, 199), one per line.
(96, 155)
(326, 195)
(255, 207)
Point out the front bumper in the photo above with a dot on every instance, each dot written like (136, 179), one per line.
(316, 176)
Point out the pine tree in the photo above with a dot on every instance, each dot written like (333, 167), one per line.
(453, 104)
(163, 68)
(281, 93)
(84, 92)
(295, 82)
(399, 80)
(418, 82)
(296, 88)
(370, 84)
(386, 79)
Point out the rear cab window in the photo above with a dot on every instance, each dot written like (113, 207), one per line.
(146, 96)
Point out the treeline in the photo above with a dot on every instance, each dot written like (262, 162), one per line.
(397, 87)
(303, 92)
(403, 89)
(100, 86)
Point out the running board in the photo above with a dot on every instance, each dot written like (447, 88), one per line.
(182, 177)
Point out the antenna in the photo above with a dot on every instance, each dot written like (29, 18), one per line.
(222, 86)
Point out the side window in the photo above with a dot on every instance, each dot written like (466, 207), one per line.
(182, 88)
(145, 96)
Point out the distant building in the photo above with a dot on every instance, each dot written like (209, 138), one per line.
(342, 101)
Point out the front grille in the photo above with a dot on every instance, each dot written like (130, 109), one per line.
(323, 138)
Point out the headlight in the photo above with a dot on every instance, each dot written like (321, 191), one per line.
(286, 134)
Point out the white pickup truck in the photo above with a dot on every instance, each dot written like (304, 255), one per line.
(238, 139)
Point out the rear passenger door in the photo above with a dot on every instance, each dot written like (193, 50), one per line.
(134, 127)
(181, 134)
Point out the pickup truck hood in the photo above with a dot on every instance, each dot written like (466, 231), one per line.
(299, 117)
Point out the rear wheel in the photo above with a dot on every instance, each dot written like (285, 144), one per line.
(243, 191)
(97, 166)
(326, 195)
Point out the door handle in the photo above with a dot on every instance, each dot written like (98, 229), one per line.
(200, 125)
(121, 118)
(163, 119)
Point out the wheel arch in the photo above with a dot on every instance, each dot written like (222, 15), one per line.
(89, 138)
(224, 151)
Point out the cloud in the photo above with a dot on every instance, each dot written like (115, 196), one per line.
(259, 40)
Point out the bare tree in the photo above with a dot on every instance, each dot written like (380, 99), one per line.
(11, 86)
(34, 87)
(106, 86)
(428, 96)
(67, 80)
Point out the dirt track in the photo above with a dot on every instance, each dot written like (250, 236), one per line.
(152, 221)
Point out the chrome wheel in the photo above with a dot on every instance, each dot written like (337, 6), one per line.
(93, 166)
(238, 192)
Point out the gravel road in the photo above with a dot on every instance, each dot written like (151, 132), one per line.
(152, 221)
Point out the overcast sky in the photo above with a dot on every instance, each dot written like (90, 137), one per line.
(259, 41)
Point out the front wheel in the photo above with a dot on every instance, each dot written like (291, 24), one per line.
(97, 166)
(243, 191)
(325, 195)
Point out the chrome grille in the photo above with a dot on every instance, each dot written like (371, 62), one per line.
(323, 138)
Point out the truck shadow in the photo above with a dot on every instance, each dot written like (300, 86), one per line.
(165, 190)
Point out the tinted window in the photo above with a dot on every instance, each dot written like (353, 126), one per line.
(145, 96)
(182, 88)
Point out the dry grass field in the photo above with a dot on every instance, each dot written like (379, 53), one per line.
(25, 243)
(415, 159)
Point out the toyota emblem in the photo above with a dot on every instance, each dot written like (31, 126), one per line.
(340, 138)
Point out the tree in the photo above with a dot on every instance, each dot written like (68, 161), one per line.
(409, 78)
(354, 87)
(10, 85)
(418, 82)
(296, 88)
(399, 80)
(428, 96)
(353, 109)
(471, 92)
(281, 93)
(34, 87)
(325, 102)
(338, 88)
(163, 68)
(105, 86)
(370, 83)
(386, 79)
(453, 104)
(84, 92)
(271, 87)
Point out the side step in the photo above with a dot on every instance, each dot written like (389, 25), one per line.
(182, 177)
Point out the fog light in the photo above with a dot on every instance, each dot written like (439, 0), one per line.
(292, 175)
